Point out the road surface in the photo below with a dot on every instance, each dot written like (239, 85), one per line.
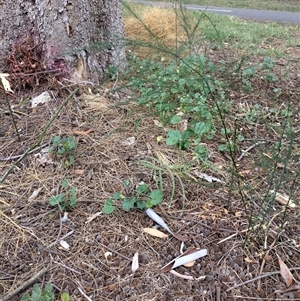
(255, 14)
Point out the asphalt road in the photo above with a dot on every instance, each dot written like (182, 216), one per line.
(255, 14)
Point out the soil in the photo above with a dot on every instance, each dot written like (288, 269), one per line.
(242, 263)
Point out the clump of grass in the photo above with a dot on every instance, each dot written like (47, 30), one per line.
(153, 29)
(153, 24)
(65, 148)
(65, 200)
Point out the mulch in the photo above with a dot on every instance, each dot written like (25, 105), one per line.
(242, 263)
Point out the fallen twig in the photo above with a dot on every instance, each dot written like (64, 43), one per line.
(83, 294)
(244, 152)
(17, 226)
(47, 248)
(114, 251)
(59, 239)
(270, 248)
(19, 156)
(260, 277)
(294, 287)
(83, 133)
(263, 263)
(237, 233)
(64, 266)
(218, 293)
(24, 285)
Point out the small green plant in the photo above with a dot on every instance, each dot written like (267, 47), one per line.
(65, 200)
(40, 295)
(267, 66)
(175, 137)
(64, 147)
(143, 198)
(180, 92)
(251, 71)
(65, 296)
(44, 295)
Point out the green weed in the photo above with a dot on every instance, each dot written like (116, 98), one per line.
(191, 95)
(65, 148)
(143, 198)
(65, 200)
(44, 295)
(40, 295)
(179, 92)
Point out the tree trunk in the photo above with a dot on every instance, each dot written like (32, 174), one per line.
(83, 38)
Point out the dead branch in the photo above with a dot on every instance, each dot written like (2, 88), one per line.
(24, 284)
(258, 277)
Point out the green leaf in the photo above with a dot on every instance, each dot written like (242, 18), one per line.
(249, 72)
(55, 140)
(36, 293)
(47, 296)
(117, 196)
(57, 199)
(223, 148)
(201, 151)
(109, 207)
(25, 297)
(202, 128)
(73, 201)
(184, 144)
(174, 137)
(71, 160)
(223, 131)
(71, 143)
(64, 183)
(126, 183)
(61, 150)
(268, 63)
(240, 137)
(143, 188)
(128, 203)
(156, 197)
(176, 119)
(48, 287)
(181, 82)
(65, 296)
(73, 191)
(141, 204)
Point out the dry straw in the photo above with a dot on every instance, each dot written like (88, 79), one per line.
(155, 24)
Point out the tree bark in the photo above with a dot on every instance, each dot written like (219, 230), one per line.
(82, 37)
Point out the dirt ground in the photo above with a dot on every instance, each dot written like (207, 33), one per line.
(240, 265)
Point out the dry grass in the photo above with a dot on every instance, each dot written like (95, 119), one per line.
(156, 25)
